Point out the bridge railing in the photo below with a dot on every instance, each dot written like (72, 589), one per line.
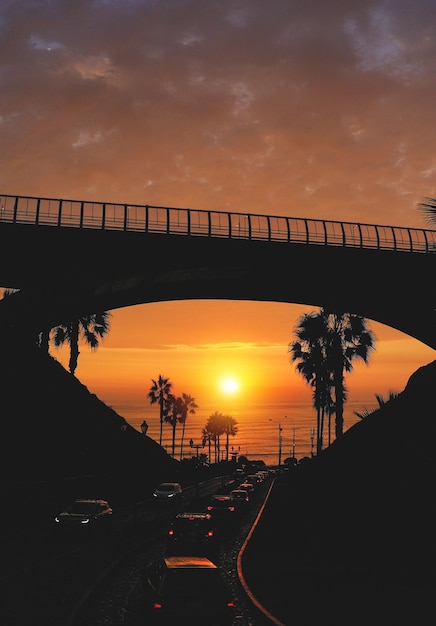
(193, 222)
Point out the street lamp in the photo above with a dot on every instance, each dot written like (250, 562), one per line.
(144, 427)
(280, 440)
(196, 446)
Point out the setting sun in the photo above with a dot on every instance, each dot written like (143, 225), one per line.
(229, 385)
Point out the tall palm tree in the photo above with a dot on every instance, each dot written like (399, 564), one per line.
(309, 350)
(348, 338)
(160, 392)
(325, 347)
(89, 328)
(230, 430)
(174, 415)
(215, 426)
(188, 408)
(208, 437)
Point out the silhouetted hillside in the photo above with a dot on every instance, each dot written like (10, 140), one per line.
(53, 428)
(368, 498)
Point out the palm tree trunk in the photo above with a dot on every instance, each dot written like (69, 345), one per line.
(339, 397)
(318, 431)
(173, 446)
(74, 348)
(182, 438)
(161, 403)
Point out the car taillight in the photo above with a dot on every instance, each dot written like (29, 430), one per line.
(171, 532)
(231, 508)
(157, 605)
(210, 533)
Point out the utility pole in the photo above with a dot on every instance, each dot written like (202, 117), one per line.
(280, 440)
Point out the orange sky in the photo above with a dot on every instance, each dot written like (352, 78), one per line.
(197, 344)
(307, 109)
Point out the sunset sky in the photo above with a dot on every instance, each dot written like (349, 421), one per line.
(302, 108)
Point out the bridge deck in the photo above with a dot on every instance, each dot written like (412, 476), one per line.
(194, 222)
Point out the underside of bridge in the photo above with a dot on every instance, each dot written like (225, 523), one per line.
(63, 273)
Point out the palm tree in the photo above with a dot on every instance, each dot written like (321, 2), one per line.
(230, 429)
(381, 403)
(89, 328)
(309, 350)
(174, 414)
(325, 347)
(215, 426)
(160, 392)
(428, 209)
(348, 338)
(207, 436)
(188, 406)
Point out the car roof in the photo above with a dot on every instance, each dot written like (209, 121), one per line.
(187, 515)
(167, 485)
(187, 562)
(91, 500)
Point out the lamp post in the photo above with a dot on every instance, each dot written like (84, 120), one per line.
(144, 427)
(280, 440)
(197, 446)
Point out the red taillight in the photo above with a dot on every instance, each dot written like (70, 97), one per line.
(231, 508)
(171, 532)
(157, 605)
(210, 508)
(210, 533)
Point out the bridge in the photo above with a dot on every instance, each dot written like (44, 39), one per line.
(71, 257)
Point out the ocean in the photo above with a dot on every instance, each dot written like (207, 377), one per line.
(259, 428)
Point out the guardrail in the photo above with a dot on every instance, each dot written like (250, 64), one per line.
(40, 211)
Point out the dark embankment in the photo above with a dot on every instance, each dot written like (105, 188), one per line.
(349, 537)
(59, 441)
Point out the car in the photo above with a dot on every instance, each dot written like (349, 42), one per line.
(193, 533)
(249, 487)
(255, 479)
(241, 496)
(188, 590)
(224, 509)
(86, 514)
(169, 493)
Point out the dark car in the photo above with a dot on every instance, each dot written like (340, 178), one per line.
(192, 533)
(85, 514)
(224, 509)
(188, 590)
(168, 493)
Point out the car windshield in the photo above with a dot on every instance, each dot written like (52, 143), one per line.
(169, 488)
